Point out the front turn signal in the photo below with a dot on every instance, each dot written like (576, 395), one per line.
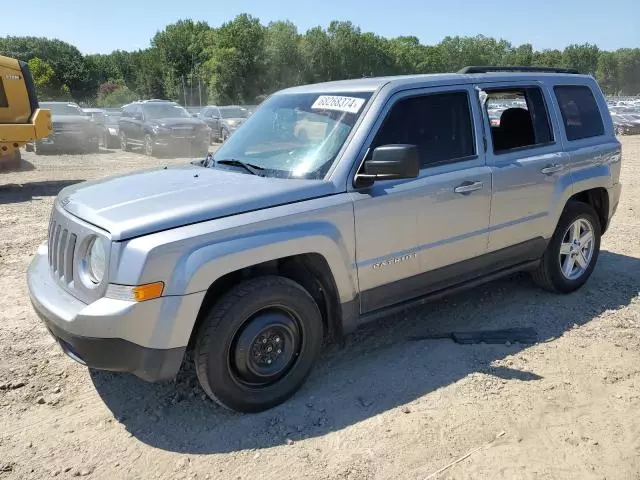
(137, 293)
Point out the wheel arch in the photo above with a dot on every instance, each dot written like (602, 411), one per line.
(310, 270)
(598, 199)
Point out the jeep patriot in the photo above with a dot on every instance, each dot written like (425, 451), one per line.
(333, 204)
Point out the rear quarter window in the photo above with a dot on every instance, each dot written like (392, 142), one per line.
(580, 113)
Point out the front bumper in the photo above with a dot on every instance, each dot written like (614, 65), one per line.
(62, 139)
(64, 316)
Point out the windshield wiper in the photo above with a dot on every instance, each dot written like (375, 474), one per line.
(252, 169)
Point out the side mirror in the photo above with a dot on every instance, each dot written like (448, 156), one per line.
(390, 162)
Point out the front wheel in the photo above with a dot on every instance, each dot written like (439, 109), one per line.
(124, 144)
(572, 252)
(258, 345)
(149, 148)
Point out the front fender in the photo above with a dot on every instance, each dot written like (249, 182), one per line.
(199, 268)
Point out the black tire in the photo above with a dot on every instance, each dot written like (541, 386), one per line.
(147, 147)
(230, 356)
(124, 144)
(549, 274)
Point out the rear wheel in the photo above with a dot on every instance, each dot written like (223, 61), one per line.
(572, 252)
(258, 345)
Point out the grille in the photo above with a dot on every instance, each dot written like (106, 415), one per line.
(62, 245)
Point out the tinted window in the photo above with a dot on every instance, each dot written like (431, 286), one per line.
(3, 96)
(234, 112)
(164, 110)
(439, 125)
(62, 109)
(518, 118)
(580, 112)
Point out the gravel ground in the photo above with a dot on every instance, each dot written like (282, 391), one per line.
(383, 407)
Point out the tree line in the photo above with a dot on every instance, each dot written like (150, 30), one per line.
(243, 60)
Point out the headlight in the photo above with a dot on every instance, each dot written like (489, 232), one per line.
(158, 129)
(113, 131)
(96, 261)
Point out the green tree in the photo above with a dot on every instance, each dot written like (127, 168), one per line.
(236, 65)
(583, 58)
(283, 56)
(629, 68)
(117, 97)
(181, 49)
(607, 73)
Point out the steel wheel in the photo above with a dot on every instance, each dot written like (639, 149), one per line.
(576, 249)
(265, 348)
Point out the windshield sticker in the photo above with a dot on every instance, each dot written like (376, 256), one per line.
(341, 104)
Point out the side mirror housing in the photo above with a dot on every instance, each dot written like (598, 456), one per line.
(390, 162)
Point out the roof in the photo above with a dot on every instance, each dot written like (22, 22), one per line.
(371, 84)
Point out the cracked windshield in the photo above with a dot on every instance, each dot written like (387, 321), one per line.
(330, 240)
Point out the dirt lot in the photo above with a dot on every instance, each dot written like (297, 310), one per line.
(383, 407)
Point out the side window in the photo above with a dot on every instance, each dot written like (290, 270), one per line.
(439, 124)
(580, 112)
(3, 96)
(518, 118)
(127, 112)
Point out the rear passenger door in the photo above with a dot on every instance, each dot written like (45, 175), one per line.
(590, 142)
(414, 236)
(529, 169)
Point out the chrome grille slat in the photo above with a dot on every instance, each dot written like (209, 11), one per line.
(62, 243)
(68, 258)
(52, 227)
(54, 248)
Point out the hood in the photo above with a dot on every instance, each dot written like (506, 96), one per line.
(149, 201)
(171, 122)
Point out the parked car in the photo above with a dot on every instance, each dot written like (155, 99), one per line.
(627, 124)
(223, 121)
(334, 204)
(73, 130)
(194, 111)
(159, 126)
(110, 130)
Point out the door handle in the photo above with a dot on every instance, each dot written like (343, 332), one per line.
(468, 187)
(549, 169)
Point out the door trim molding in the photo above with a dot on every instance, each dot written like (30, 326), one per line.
(444, 278)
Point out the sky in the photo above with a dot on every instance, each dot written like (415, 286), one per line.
(101, 27)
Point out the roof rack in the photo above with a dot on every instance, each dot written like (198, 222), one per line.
(490, 69)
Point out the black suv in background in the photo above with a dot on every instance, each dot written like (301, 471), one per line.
(73, 130)
(160, 126)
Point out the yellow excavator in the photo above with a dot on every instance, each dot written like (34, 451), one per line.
(21, 119)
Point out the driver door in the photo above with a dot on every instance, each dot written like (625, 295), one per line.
(418, 235)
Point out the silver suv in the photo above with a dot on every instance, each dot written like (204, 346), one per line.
(331, 205)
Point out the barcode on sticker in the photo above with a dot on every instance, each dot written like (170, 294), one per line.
(341, 104)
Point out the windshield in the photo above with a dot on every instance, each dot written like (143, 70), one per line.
(295, 135)
(164, 110)
(62, 109)
(232, 112)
